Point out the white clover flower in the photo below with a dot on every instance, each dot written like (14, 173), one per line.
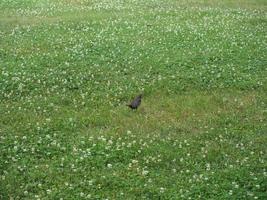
(162, 190)
(145, 172)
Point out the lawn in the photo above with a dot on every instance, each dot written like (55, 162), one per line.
(68, 68)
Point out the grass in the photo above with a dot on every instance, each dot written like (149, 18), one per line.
(69, 67)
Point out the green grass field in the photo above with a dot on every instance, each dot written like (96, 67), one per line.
(69, 67)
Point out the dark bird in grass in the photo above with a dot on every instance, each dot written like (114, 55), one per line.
(136, 102)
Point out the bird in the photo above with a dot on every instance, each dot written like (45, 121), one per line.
(136, 102)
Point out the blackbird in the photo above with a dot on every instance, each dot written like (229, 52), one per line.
(136, 102)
